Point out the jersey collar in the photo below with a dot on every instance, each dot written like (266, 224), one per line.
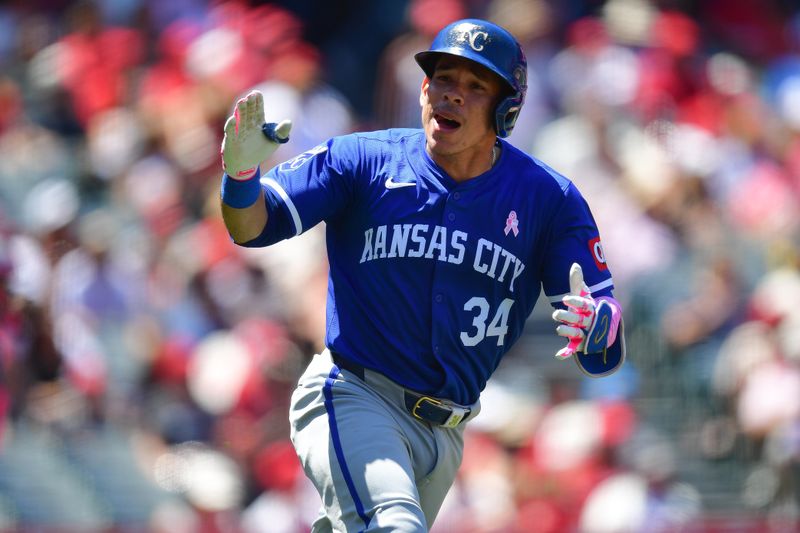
(429, 167)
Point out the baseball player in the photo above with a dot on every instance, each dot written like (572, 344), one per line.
(439, 241)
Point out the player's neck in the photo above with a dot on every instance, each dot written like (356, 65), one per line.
(465, 166)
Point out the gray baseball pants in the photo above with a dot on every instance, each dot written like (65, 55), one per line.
(376, 467)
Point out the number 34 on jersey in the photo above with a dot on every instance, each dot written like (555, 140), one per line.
(497, 326)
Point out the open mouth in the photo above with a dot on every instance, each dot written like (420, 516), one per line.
(446, 123)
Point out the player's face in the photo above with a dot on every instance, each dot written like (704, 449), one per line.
(457, 107)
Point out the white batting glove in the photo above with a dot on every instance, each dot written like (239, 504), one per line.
(589, 324)
(248, 139)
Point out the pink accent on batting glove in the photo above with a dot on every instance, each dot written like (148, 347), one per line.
(616, 317)
(248, 173)
(244, 175)
(574, 342)
(236, 114)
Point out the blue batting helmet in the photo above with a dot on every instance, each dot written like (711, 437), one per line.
(493, 47)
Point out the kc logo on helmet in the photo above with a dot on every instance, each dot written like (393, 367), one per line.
(476, 38)
(599, 256)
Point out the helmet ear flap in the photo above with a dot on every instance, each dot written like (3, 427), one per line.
(506, 114)
(509, 108)
(508, 122)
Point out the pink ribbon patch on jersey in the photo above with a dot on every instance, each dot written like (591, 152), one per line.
(512, 224)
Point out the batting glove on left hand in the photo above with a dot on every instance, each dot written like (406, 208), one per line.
(589, 324)
(248, 140)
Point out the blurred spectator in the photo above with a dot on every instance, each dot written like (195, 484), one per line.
(92, 62)
(30, 363)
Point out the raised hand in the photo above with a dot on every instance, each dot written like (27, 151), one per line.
(248, 140)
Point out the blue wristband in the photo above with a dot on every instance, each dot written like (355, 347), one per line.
(241, 193)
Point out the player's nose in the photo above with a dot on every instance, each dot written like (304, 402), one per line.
(453, 94)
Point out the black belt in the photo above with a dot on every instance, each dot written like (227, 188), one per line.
(419, 405)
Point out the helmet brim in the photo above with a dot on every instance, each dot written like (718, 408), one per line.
(427, 61)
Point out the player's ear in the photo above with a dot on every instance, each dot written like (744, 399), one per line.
(423, 92)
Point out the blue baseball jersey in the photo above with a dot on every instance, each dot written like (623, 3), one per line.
(431, 281)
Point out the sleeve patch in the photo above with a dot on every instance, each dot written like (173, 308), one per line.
(599, 256)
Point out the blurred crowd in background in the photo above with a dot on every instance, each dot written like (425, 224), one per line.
(146, 362)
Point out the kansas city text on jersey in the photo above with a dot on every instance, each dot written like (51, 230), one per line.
(432, 242)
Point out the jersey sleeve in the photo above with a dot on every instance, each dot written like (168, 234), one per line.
(307, 189)
(574, 238)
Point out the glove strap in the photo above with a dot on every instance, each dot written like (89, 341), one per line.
(241, 193)
(269, 132)
(598, 336)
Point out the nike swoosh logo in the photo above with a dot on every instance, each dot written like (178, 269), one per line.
(391, 184)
